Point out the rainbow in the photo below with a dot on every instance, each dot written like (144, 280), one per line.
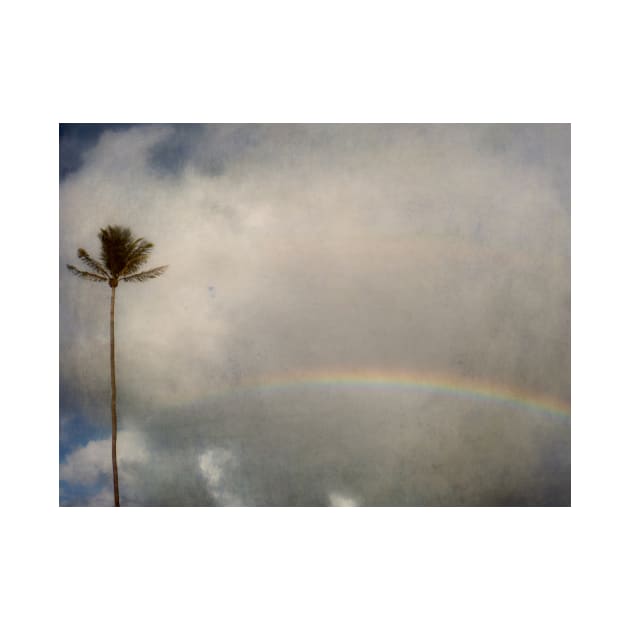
(449, 385)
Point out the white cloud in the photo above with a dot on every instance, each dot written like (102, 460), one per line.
(88, 463)
(91, 463)
(212, 464)
(341, 500)
(215, 464)
(103, 498)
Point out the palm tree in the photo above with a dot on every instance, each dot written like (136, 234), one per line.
(122, 255)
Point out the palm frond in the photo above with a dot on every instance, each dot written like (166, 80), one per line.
(115, 244)
(91, 263)
(137, 256)
(136, 243)
(87, 275)
(123, 255)
(145, 275)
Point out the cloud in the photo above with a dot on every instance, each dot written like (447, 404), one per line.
(102, 498)
(92, 463)
(86, 465)
(215, 465)
(341, 500)
(394, 247)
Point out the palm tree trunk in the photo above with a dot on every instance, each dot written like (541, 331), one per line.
(112, 365)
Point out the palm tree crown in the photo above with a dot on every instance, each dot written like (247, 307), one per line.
(122, 255)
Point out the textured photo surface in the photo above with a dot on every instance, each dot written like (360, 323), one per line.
(344, 315)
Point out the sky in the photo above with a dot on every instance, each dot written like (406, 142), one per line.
(352, 315)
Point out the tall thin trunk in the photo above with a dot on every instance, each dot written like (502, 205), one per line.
(112, 365)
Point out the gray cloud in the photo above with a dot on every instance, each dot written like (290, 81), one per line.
(440, 248)
(206, 148)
